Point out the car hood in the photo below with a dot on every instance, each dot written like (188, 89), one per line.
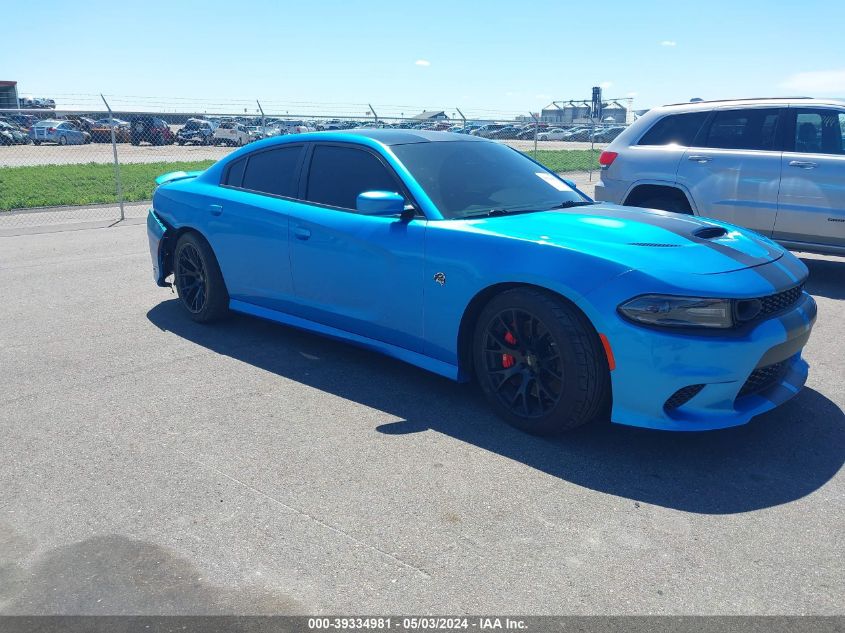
(643, 239)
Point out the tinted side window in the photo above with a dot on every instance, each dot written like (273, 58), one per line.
(743, 129)
(235, 174)
(338, 174)
(273, 171)
(820, 131)
(676, 129)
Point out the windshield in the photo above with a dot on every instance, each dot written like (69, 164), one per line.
(466, 178)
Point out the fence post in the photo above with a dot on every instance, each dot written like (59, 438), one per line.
(592, 144)
(116, 162)
(463, 118)
(263, 123)
(373, 110)
(536, 129)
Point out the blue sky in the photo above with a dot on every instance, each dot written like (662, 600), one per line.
(493, 56)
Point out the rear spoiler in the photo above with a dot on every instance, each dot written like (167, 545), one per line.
(173, 176)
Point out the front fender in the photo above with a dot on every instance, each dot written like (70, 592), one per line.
(461, 266)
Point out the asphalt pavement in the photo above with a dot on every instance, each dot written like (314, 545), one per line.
(153, 465)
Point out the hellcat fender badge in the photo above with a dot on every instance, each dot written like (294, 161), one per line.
(440, 278)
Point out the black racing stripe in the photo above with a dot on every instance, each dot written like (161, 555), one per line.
(787, 349)
(795, 267)
(793, 322)
(685, 227)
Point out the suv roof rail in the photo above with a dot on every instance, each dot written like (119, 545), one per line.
(739, 99)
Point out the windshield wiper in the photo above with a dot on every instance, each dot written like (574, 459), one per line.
(568, 204)
(489, 213)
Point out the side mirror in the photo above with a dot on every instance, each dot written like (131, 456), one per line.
(380, 203)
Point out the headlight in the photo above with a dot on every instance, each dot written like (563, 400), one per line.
(669, 311)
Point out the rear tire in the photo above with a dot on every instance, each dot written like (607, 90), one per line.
(539, 362)
(198, 280)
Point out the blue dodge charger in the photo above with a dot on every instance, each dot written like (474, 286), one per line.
(467, 258)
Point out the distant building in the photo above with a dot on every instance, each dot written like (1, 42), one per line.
(574, 112)
(430, 115)
(8, 94)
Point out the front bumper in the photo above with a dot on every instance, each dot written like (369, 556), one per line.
(731, 378)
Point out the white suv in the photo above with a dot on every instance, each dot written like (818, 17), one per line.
(231, 133)
(776, 166)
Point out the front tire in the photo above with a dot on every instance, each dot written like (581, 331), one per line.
(198, 280)
(539, 362)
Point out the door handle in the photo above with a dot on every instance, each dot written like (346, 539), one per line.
(803, 164)
(698, 158)
(301, 233)
(215, 209)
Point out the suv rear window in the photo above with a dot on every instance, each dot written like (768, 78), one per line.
(743, 129)
(675, 129)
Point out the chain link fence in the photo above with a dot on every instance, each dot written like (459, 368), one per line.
(98, 165)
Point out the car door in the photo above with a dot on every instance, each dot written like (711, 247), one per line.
(247, 219)
(733, 170)
(811, 202)
(358, 273)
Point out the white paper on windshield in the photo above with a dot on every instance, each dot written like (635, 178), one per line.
(554, 182)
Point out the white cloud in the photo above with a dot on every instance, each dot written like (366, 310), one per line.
(818, 81)
(605, 85)
(543, 96)
(422, 62)
(631, 94)
(670, 43)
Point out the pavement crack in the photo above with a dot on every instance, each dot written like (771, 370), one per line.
(302, 513)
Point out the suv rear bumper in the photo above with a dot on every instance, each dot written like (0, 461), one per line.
(608, 190)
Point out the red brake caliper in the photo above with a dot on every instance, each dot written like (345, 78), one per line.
(508, 360)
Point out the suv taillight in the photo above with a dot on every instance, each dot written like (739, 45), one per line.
(606, 159)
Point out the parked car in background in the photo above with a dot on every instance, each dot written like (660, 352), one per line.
(196, 132)
(555, 134)
(256, 133)
(150, 129)
(12, 135)
(24, 121)
(102, 128)
(60, 132)
(607, 134)
(230, 132)
(85, 124)
(488, 130)
(508, 132)
(776, 166)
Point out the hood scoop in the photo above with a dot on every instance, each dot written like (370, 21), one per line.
(710, 232)
(652, 244)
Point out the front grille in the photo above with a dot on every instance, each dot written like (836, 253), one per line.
(762, 378)
(681, 397)
(780, 301)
